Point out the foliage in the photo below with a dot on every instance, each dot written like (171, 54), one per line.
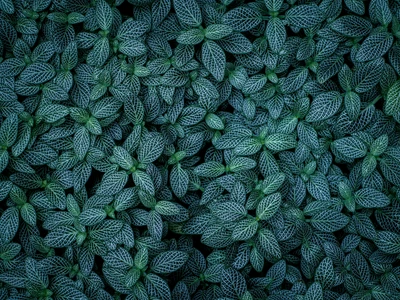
(200, 149)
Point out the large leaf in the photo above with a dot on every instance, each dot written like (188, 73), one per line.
(213, 58)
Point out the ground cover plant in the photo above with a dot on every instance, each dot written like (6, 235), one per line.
(200, 149)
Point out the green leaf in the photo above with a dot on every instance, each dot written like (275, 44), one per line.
(81, 142)
(179, 179)
(123, 158)
(280, 142)
(112, 183)
(188, 12)
(191, 37)
(318, 186)
(213, 58)
(38, 73)
(168, 262)
(92, 216)
(233, 284)
(105, 230)
(267, 242)
(104, 15)
(229, 211)
(324, 106)
(325, 274)
(132, 48)
(304, 16)
(352, 26)
(9, 251)
(239, 164)
(242, 18)
(131, 29)
(268, 206)
(368, 75)
(52, 113)
(9, 131)
(329, 221)
(350, 147)
(157, 287)
(217, 31)
(167, 208)
(9, 222)
(276, 34)
(28, 214)
(151, 148)
(143, 181)
(244, 230)
(295, 80)
(7, 6)
(388, 242)
(61, 237)
(392, 103)
(371, 198)
(210, 169)
(376, 45)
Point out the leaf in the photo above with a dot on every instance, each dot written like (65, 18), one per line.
(388, 242)
(28, 214)
(61, 237)
(179, 181)
(318, 186)
(350, 147)
(131, 29)
(104, 15)
(9, 131)
(329, 221)
(38, 73)
(7, 6)
(329, 67)
(244, 230)
(352, 26)
(392, 103)
(92, 216)
(188, 12)
(295, 80)
(132, 48)
(229, 211)
(157, 287)
(233, 284)
(370, 198)
(112, 183)
(374, 46)
(105, 230)
(314, 292)
(150, 149)
(123, 158)
(280, 142)
(168, 262)
(217, 31)
(239, 164)
(9, 251)
(9, 222)
(276, 34)
(242, 18)
(266, 241)
(143, 181)
(368, 75)
(213, 58)
(324, 106)
(325, 274)
(210, 169)
(304, 16)
(166, 208)
(268, 206)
